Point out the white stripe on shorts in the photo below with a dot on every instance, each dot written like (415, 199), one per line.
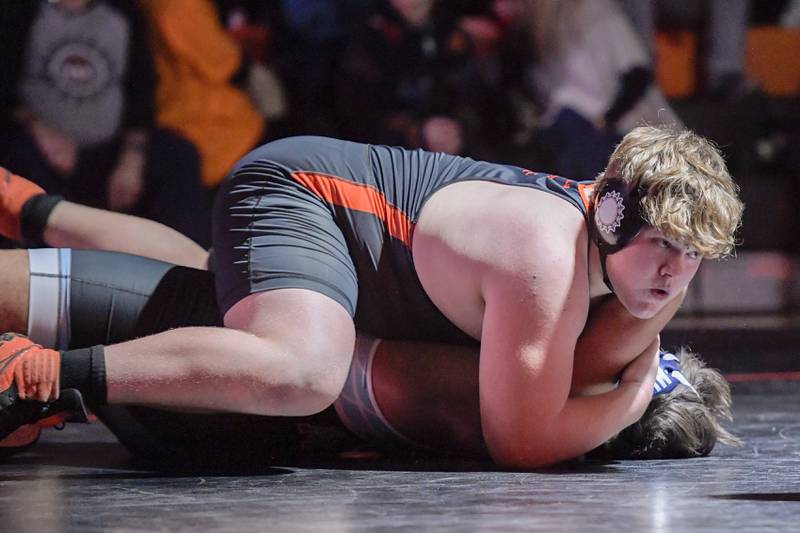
(48, 305)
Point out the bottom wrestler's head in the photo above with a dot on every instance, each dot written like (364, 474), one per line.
(681, 423)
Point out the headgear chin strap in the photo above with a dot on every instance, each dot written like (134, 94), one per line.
(615, 219)
(669, 374)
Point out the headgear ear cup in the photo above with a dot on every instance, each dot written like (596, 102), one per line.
(608, 216)
(615, 219)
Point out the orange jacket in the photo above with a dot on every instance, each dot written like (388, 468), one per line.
(195, 59)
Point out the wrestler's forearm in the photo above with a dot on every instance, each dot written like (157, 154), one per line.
(612, 339)
(581, 424)
(73, 225)
(587, 422)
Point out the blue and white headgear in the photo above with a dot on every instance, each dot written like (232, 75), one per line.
(669, 374)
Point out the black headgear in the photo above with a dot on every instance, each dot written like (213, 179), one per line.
(615, 218)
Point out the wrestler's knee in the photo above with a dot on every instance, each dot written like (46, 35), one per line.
(305, 378)
(303, 344)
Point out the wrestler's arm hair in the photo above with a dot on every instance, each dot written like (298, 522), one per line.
(528, 340)
(611, 339)
(72, 225)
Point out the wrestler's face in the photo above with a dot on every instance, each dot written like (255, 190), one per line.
(651, 271)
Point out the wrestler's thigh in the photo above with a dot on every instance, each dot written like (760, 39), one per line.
(283, 268)
(82, 297)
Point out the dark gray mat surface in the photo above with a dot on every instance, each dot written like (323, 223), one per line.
(80, 479)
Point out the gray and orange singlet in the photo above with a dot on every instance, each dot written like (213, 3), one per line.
(338, 218)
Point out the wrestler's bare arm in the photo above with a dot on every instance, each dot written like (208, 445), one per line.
(516, 278)
(612, 339)
(73, 225)
(531, 324)
(526, 363)
(429, 392)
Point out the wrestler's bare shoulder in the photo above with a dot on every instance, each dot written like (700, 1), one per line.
(488, 222)
(469, 229)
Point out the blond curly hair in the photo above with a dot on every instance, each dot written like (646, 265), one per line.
(690, 196)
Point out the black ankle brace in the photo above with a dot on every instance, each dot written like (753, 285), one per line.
(85, 369)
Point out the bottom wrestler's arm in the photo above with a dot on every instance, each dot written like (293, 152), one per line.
(27, 212)
(73, 225)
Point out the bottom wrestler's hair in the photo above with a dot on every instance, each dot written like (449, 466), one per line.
(679, 424)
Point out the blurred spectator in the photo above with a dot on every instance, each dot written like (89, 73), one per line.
(408, 77)
(503, 52)
(790, 17)
(307, 40)
(594, 79)
(724, 24)
(196, 61)
(77, 103)
(767, 12)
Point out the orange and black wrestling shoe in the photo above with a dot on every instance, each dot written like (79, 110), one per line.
(29, 378)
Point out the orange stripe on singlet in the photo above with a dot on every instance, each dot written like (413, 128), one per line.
(586, 191)
(358, 197)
